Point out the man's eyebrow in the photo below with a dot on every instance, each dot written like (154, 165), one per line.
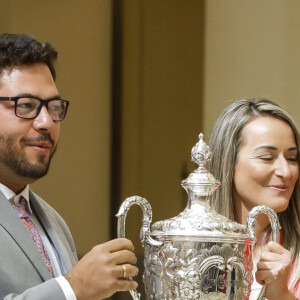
(33, 96)
(275, 148)
(54, 97)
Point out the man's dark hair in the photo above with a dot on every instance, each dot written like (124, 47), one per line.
(21, 49)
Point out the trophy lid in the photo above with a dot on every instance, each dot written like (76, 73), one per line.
(199, 221)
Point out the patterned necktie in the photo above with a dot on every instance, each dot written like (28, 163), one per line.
(21, 210)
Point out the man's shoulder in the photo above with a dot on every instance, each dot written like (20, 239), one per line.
(41, 201)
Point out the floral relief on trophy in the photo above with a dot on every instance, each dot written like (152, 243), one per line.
(211, 223)
(187, 270)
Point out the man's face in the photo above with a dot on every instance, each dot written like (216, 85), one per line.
(26, 146)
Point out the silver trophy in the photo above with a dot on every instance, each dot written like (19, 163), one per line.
(198, 254)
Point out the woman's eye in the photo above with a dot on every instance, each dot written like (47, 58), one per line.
(266, 158)
(292, 158)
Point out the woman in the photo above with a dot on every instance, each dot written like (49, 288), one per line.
(255, 146)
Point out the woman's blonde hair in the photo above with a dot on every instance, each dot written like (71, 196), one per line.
(225, 141)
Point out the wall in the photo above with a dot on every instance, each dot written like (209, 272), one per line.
(161, 103)
(78, 183)
(251, 50)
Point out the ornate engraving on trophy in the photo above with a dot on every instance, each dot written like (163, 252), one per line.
(189, 270)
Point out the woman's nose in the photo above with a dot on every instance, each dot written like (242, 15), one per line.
(282, 168)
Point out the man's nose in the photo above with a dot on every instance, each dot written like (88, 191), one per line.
(43, 121)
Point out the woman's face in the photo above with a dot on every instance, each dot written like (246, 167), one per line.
(266, 169)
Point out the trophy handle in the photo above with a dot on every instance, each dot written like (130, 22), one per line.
(145, 230)
(275, 230)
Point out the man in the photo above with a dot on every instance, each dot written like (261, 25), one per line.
(37, 254)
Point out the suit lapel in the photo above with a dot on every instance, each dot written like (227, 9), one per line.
(54, 231)
(10, 221)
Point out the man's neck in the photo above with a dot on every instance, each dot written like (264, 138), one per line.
(15, 189)
(13, 181)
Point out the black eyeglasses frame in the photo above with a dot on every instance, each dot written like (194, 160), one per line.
(43, 102)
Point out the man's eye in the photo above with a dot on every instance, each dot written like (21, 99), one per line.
(25, 106)
(55, 107)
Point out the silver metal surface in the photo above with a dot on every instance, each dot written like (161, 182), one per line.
(198, 254)
(275, 229)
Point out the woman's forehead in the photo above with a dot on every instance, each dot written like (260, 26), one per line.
(267, 129)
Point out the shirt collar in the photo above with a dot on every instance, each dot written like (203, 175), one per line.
(9, 194)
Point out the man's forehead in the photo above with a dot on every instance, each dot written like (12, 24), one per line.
(8, 76)
(33, 79)
(34, 67)
(11, 71)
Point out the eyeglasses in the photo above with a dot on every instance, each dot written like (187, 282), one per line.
(30, 107)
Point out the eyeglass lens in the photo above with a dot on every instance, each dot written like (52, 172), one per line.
(29, 108)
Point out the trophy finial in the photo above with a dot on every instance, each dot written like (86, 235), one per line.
(200, 152)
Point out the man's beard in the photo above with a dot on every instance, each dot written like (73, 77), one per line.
(17, 161)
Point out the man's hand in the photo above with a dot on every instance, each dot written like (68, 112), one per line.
(99, 273)
(273, 270)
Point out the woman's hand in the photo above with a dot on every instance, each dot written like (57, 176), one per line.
(273, 270)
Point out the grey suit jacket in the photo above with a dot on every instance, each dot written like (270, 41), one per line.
(23, 275)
